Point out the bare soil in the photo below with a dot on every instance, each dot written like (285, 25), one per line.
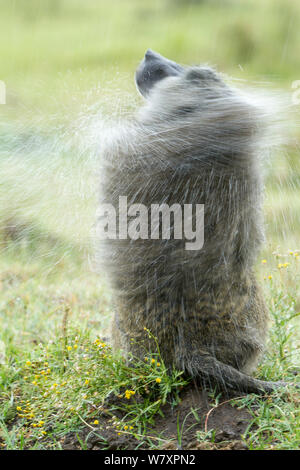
(227, 421)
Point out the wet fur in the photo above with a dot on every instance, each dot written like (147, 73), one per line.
(198, 141)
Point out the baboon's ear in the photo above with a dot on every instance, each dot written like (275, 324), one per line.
(197, 74)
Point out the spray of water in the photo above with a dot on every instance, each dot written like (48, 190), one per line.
(50, 165)
(49, 168)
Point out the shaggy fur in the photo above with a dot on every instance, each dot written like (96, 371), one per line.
(197, 141)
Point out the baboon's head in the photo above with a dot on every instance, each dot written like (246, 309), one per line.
(210, 113)
(155, 68)
(173, 91)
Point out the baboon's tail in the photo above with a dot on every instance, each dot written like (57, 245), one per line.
(226, 377)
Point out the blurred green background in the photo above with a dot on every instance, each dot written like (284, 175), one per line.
(59, 57)
(45, 41)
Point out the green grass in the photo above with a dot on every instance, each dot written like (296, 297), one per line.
(62, 61)
(55, 367)
(62, 390)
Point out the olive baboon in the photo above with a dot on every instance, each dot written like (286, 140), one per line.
(196, 140)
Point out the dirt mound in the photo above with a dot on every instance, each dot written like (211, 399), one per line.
(180, 427)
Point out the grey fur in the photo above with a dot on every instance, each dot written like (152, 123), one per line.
(195, 140)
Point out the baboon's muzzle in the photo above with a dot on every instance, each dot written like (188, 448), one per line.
(153, 68)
